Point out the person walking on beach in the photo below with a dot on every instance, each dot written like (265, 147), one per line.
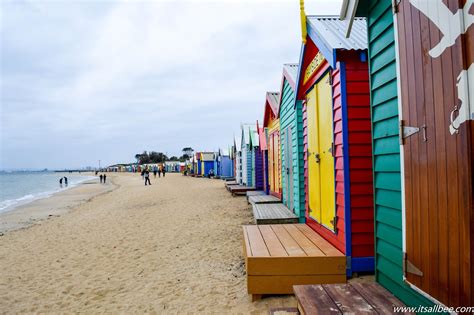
(154, 172)
(105, 177)
(147, 177)
(101, 177)
(65, 181)
(61, 182)
(164, 171)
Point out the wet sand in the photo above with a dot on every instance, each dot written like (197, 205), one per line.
(173, 247)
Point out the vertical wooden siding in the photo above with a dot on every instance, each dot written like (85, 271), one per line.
(292, 117)
(437, 171)
(386, 151)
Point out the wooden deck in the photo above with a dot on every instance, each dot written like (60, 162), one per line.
(254, 193)
(273, 213)
(277, 257)
(230, 183)
(350, 298)
(263, 199)
(228, 179)
(239, 190)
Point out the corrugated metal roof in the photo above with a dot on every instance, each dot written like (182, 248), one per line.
(237, 143)
(246, 133)
(292, 70)
(333, 31)
(273, 99)
(254, 136)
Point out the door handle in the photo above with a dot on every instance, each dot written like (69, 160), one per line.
(317, 158)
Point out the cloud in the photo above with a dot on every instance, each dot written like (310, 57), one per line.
(105, 80)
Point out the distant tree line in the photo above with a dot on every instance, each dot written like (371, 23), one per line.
(159, 157)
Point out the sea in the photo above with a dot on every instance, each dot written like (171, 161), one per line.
(21, 187)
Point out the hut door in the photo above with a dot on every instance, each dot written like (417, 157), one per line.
(253, 168)
(436, 62)
(271, 163)
(277, 163)
(321, 185)
(288, 168)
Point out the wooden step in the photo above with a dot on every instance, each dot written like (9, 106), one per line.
(280, 256)
(350, 298)
(254, 193)
(263, 199)
(272, 213)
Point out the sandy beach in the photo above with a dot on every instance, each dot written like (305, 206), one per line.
(173, 247)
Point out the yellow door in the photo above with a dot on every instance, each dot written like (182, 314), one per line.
(314, 190)
(321, 184)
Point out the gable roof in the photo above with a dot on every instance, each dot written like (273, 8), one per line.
(245, 134)
(328, 33)
(237, 144)
(290, 73)
(272, 106)
(254, 141)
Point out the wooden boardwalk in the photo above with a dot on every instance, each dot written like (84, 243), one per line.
(273, 213)
(263, 199)
(280, 256)
(353, 298)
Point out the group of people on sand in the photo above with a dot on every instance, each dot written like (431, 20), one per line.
(61, 180)
(103, 178)
(146, 174)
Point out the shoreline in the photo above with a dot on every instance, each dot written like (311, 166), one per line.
(26, 199)
(172, 247)
(58, 203)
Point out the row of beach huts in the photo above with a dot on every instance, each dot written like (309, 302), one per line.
(168, 166)
(363, 162)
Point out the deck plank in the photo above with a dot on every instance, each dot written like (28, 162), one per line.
(263, 199)
(273, 214)
(313, 299)
(308, 246)
(240, 188)
(290, 245)
(255, 193)
(274, 246)
(380, 299)
(257, 244)
(348, 300)
(327, 248)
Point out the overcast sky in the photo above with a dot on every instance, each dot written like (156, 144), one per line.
(89, 80)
